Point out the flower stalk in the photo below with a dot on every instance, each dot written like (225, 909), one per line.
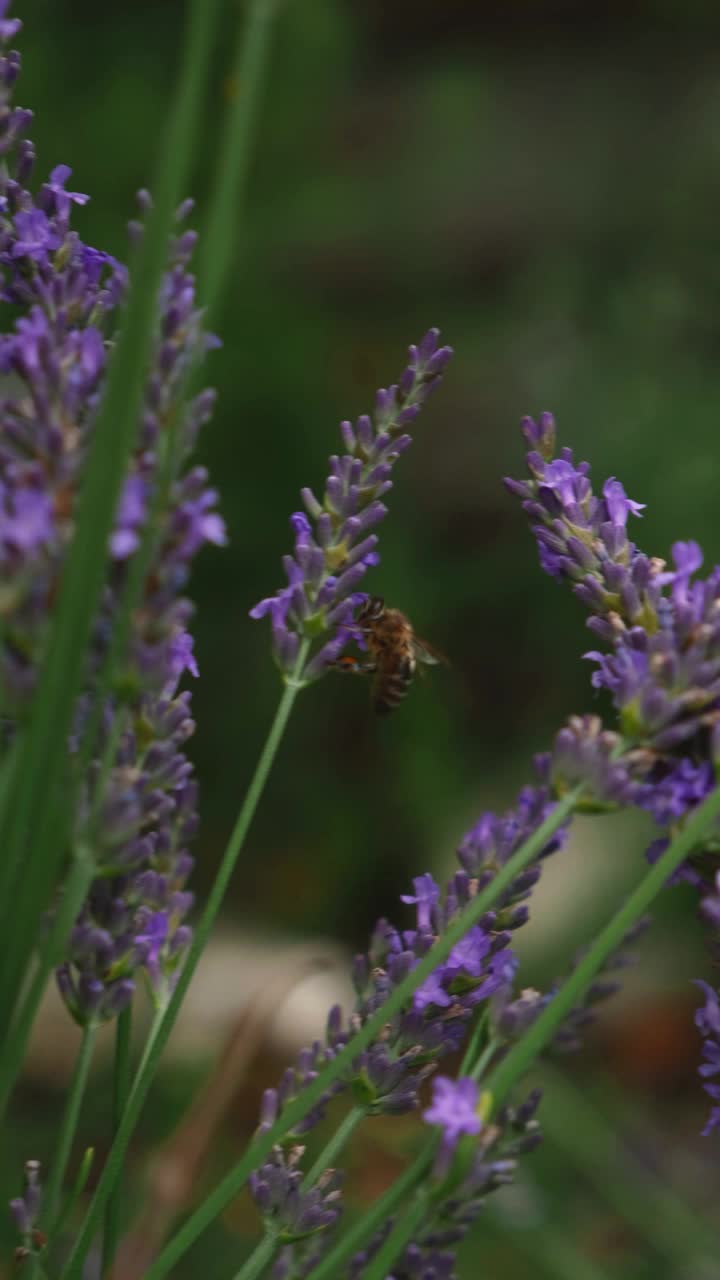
(295, 1110)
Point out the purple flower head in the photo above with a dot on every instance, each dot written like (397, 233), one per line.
(9, 27)
(618, 505)
(300, 1219)
(55, 198)
(137, 811)
(454, 1108)
(25, 1211)
(707, 1021)
(130, 518)
(432, 992)
(710, 905)
(582, 537)
(494, 838)
(451, 1212)
(335, 543)
(27, 526)
(427, 893)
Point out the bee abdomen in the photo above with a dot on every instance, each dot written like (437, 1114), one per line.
(394, 687)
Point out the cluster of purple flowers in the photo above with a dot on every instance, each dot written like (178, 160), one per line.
(386, 1078)
(25, 1209)
(659, 627)
(490, 1163)
(661, 666)
(334, 545)
(136, 802)
(295, 1216)
(707, 1021)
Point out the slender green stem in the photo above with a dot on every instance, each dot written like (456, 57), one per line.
(69, 1123)
(477, 1072)
(403, 1231)
(31, 852)
(80, 1183)
(212, 273)
(593, 1145)
(121, 1090)
(474, 1043)
(510, 1070)
(236, 150)
(254, 1155)
(330, 1152)
(166, 1019)
(49, 954)
(258, 1260)
(364, 1229)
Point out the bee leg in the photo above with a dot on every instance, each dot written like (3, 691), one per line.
(354, 667)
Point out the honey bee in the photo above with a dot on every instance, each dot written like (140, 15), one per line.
(394, 650)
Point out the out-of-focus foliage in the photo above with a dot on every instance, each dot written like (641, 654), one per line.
(542, 181)
(543, 185)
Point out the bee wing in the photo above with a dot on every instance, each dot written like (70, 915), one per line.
(428, 654)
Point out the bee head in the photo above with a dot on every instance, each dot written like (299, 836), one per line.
(372, 610)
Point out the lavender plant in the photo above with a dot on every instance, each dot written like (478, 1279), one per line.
(110, 849)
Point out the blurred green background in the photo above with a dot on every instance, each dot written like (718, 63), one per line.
(541, 181)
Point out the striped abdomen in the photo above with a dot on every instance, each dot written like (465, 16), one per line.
(392, 682)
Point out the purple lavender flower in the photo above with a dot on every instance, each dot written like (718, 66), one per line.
(663, 627)
(293, 1215)
(493, 840)
(512, 1015)
(25, 1209)
(582, 537)
(491, 1165)
(710, 905)
(707, 1021)
(334, 543)
(585, 753)
(661, 667)
(454, 1107)
(136, 801)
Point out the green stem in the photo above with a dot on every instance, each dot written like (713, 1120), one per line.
(212, 274)
(121, 1090)
(50, 953)
(364, 1229)
(474, 1044)
(258, 1260)
(477, 1072)
(236, 150)
(523, 1053)
(69, 1123)
(254, 1155)
(166, 1019)
(583, 1133)
(32, 854)
(83, 1174)
(404, 1230)
(330, 1152)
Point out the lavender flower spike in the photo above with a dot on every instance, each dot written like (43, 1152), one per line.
(334, 542)
(25, 1210)
(136, 798)
(582, 537)
(488, 1163)
(707, 1021)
